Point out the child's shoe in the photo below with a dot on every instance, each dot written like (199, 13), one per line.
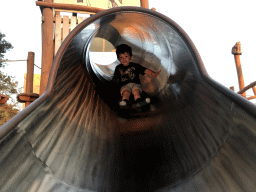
(124, 103)
(141, 102)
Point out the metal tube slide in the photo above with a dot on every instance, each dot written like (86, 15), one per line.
(198, 135)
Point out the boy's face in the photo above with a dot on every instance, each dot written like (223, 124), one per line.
(124, 58)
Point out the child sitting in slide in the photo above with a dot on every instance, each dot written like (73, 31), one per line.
(127, 74)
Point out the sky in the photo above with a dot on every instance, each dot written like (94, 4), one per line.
(213, 26)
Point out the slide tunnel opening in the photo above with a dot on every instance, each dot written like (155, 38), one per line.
(154, 45)
(103, 58)
(158, 44)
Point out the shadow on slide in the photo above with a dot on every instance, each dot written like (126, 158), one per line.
(198, 136)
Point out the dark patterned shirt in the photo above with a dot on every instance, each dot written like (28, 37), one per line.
(128, 74)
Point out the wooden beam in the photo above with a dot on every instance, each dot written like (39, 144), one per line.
(80, 20)
(251, 85)
(77, 22)
(254, 90)
(144, 3)
(3, 99)
(73, 22)
(57, 33)
(47, 46)
(30, 72)
(252, 97)
(69, 7)
(236, 51)
(65, 26)
(27, 97)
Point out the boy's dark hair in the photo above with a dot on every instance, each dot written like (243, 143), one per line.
(122, 49)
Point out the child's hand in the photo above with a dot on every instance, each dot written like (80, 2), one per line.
(156, 74)
(152, 73)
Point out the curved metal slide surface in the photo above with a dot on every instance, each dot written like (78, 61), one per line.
(198, 136)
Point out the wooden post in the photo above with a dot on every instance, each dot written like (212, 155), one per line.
(236, 51)
(144, 3)
(47, 46)
(30, 75)
(254, 90)
(30, 72)
(29, 96)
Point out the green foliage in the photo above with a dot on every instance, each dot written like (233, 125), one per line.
(8, 85)
(7, 111)
(4, 46)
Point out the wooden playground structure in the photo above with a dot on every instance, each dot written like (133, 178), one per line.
(56, 27)
(236, 51)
